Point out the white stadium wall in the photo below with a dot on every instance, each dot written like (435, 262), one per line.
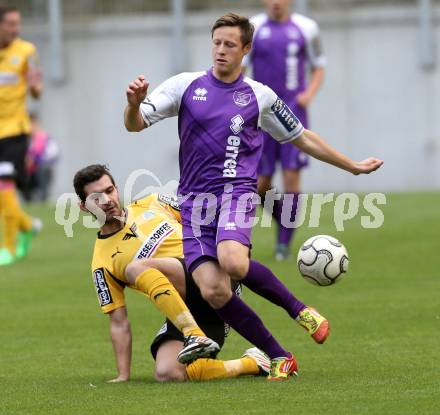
(376, 99)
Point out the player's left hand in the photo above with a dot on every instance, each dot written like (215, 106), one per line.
(119, 379)
(303, 99)
(34, 77)
(367, 166)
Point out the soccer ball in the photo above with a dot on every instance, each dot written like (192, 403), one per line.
(322, 260)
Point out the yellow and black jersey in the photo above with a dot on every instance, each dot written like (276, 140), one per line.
(15, 60)
(152, 230)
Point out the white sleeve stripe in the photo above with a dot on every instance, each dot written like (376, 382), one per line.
(165, 100)
(310, 30)
(275, 117)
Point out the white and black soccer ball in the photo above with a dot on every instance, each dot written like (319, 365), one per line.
(322, 260)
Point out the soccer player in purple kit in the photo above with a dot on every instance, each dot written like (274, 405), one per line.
(220, 118)
(292, 45)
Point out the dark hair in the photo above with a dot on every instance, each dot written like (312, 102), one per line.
(6, 9)
(235, 20)
(88, 175)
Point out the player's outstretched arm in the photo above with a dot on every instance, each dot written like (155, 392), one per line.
(120, 333)
(312, 144)
(136, 94)
(35, 82)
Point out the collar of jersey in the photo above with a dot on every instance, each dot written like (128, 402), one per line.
(222, 84)
(109, 235)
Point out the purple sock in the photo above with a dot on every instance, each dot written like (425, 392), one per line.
(246, 323)
(285, 234)
(263, 282)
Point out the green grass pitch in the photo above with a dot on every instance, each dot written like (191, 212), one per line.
(382, 356)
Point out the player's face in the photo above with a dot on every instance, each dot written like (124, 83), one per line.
(227, 50)
(10, 27)
(105, 195)
(277, 9)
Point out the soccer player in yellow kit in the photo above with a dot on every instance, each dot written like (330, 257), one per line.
(139, 247)
(19, 73)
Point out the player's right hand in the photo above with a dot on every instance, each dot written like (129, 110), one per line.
(137, 91)
(367, 166)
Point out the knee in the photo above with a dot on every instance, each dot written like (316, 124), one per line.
(264, 185)
(234, 265)
(215, 295)
(134, 269)
(170, 374)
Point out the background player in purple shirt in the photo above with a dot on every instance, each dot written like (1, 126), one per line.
(286, 47)
(221, 115)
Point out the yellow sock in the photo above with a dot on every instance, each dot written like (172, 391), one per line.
(12, 218)
(166, 298)
(24, 221)
(209, 369)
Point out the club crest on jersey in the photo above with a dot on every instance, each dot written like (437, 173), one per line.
(285, 115)
(200, 94)
(102, 289)
(148, 214)
(237, 124)
(15, 60)
(242, 99)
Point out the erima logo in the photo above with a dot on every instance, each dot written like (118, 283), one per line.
(200, 94)
(265, 33)
(285, 115)
(237, 123)
(133, 233)
(230, 226)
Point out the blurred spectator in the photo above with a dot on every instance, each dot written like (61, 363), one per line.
(42, 154)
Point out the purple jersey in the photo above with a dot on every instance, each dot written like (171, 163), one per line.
(220, 128)
(281, 52)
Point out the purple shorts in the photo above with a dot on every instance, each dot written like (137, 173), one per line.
(206, 223)
(290, 157)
